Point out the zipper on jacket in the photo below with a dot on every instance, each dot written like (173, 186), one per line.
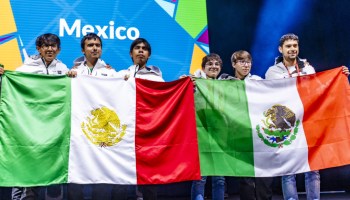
(46, 66)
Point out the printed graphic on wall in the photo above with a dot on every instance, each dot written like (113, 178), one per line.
(176, 29)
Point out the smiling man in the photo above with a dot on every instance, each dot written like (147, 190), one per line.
(48, 46)
(211, 67)
(286, 66)
(289, 64)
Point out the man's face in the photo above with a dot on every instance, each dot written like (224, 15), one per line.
(49, 51)
(212, 68)
(140, 54)
(92, 49)
(242, 68)
(289, 49)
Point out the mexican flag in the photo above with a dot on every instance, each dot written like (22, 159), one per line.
(55, 129)
(273, 127)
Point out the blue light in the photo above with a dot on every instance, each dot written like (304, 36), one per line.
(276, 18)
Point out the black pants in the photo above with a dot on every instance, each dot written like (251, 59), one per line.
(28, 193)
(255, 188)
(149, 192)
(99, 192)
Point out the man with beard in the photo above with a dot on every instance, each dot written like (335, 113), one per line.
(290, 65)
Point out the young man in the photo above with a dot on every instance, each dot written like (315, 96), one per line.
(241, 62)
(286, 66)
(290, 65)
(91, 64)
(140, 52)
(48, 46)
(211, 67)
(259, 188)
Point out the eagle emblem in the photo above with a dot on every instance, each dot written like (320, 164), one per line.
(279, 127)
(103, 127)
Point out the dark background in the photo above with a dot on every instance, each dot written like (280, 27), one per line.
(256, 26)
(323, 27)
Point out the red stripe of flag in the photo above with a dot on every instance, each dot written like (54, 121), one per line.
(326, 122)
(166, 136)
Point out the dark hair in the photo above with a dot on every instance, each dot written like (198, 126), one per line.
(288, 36)
(240, 55)
(48, 38)
(141, 40)
(89, 36)
(211, 56)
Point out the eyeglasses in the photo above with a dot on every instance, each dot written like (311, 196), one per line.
(210, 63)
(46, 46)
(243, 62)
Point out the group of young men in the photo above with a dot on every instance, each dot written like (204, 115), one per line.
(49, 46)
(287, 65)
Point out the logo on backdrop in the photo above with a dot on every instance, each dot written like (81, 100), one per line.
(105, 31)
(187, 30)
(103, 127)
(279, 127)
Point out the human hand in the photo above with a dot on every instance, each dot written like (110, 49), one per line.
(191, 76)
(346, 70)
(1, 69)
(71, 73)
(183, 76)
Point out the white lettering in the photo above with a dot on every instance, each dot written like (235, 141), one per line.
(102, 31)
(134, 31)
(64, 26)
(118, 32)
(105, 32)
(111, 30)
(87, 29)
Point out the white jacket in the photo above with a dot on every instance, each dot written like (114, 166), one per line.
(279, 71)
(98, 70)
(35, 64)
(229, 77)
(151, 73)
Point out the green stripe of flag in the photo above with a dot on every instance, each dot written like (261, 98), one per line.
(40, 153)
(224, 128)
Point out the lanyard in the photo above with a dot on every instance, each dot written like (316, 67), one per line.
(296, 67)
(90, 70)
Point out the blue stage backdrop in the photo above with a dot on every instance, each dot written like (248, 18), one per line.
(176, 29)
